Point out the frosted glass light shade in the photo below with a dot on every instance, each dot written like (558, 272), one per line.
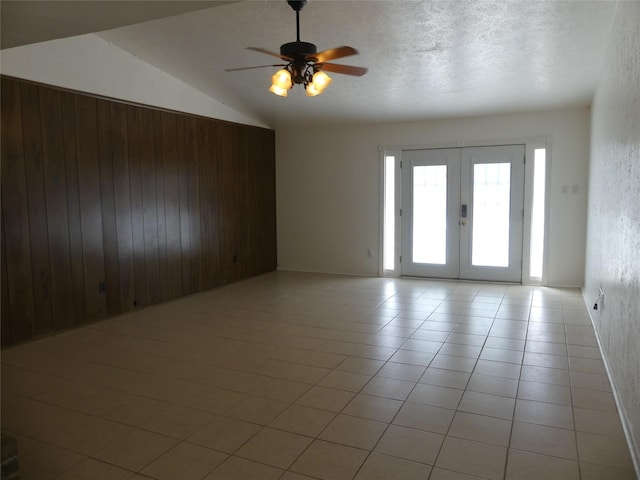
(281, 83)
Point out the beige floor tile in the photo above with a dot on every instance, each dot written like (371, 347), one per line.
(402, 371)
(424, 417)
(236, 468)
(295, 476)
(410, 444)
(452, 362)
(352, 382)
(604, 450)
(329, 461)
(47, 463)
(545, 360)
(545, 440)
(443, 474)
(185, 461)
(498, 369)
(485, 404)
(258, 410)
(95, 470)
(354, 431)
(473, 458)
(85, 398)
(555, 376)
(325, 398)
(480, 428)
(593, 399)
(95, 435)
(225, 434)
(547, 347)
(388, 388)
(461, 350)
(599, 422)
(504, 343)
(501, 355)
(593, 381)
(544, 392)
(372, 407)
(541, 413)
(533, 466)
(505, 387)
(136, 450)
(274, 447)
(303, 420)
(435, 395)
(284, 390)
(445, 378)
(590, 365)
(592, 471)
(159, 417)
(385, 467)
(412, 357)
(418, 345)
(363, 366)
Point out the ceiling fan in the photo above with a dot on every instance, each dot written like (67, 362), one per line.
(304, 64)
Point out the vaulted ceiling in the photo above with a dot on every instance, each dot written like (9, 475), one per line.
(426, 59)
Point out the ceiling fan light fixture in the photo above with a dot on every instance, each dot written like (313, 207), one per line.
(281, 82)
(321, 80)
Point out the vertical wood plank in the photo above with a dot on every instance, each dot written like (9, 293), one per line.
(172, 204)
(56, 207)
(209, 205)
(242, 196)
(34, 171)
(122, 201)
(5, 311)
(109, 226)
(136, 159)
(193, 188)
(15, 216)
(267, 174)
(90, 205)
(229, 228)
(73, 206)
(184, 152)
(150, 216)
(163, 266)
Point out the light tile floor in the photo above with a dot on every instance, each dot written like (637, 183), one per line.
(297, 376)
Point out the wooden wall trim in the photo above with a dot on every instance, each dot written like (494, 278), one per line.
(109, 206)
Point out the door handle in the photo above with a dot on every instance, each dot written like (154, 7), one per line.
(463, 210)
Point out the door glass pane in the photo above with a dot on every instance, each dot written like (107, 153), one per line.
(430, 214)
(491, 208)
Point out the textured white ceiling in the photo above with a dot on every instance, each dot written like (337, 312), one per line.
(426, 59)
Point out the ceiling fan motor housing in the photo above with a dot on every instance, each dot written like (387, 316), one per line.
(297, 4)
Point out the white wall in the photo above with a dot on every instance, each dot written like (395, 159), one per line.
(88, 63)
(328, 187)
(613, 238)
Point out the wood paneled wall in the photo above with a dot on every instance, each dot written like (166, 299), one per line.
(107, 207)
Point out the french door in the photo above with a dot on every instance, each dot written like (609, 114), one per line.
(462, 213)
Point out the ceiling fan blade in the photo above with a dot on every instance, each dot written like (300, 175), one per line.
(344, 69)
(332, 54)
(251, 68)
(273, 54)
